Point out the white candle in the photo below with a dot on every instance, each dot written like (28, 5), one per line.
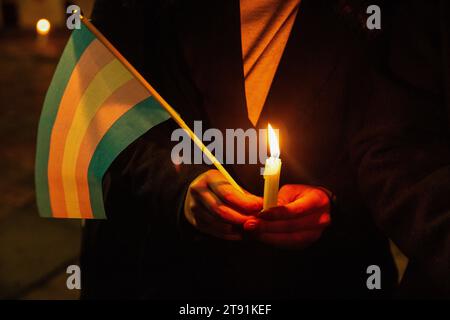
(272, 172)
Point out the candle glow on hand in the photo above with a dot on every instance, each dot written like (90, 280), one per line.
(272, 171)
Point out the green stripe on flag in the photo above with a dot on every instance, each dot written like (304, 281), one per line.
(127, 129)
(78, 42)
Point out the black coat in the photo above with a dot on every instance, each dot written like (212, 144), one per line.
(362, 114)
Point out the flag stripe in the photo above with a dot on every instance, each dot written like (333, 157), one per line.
(94, 108)
(129, 127)
(122, 100)
(76, 45)
(111, 77)
(94, 59)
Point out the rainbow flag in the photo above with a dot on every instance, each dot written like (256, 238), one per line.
(94, 108)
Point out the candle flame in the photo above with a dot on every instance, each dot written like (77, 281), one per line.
(273, 143)
(43, 27)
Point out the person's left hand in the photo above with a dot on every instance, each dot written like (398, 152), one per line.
(302, 214)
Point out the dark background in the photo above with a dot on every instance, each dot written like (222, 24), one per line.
(34, 252)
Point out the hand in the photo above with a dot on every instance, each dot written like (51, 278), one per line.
(215, 207)
(303, 212)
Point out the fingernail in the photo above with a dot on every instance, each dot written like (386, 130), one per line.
(250, 225)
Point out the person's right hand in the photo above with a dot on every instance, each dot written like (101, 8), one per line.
(215, 207)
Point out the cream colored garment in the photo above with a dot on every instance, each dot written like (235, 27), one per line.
(265, 29)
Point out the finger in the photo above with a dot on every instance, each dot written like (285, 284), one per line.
(290, 240)
(203, 216)
(307, 222)
(309, 202)
(290, 192)
(244, 202)
(214, 205)
(211, 225)
(189, 204)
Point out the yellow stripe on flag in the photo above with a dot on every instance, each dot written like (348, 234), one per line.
(122, 100)
(111, 77)
(93, 59)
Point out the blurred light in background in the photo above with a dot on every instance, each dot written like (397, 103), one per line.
(43, 27)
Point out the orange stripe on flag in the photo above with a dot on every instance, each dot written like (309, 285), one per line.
(122, 100)
(93, 59)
